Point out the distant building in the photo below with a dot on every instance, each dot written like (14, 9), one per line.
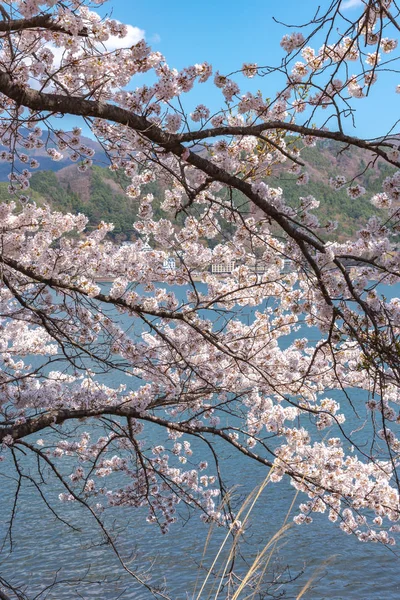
(226, 267)
(169, 264)
(258, 267)
(146, 247)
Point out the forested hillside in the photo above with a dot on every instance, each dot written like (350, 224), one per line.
(99, 193)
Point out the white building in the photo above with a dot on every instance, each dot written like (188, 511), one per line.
(223, 267)
(169, 264)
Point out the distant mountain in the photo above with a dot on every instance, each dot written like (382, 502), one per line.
(99, 193)
(330, 159)
(47, 164)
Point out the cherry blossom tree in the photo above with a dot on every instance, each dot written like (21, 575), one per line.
(190, 363)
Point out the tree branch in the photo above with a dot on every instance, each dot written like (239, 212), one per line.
(37, 22)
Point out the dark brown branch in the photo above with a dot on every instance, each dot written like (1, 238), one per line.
(74, 105)
(59, 416)
(257, 130)
(37, 22)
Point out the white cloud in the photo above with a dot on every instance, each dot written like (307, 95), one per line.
(348, 4)
(133, 36)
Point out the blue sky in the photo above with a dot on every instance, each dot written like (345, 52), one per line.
(227, 33)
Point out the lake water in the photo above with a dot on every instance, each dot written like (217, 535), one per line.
(46, 550)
